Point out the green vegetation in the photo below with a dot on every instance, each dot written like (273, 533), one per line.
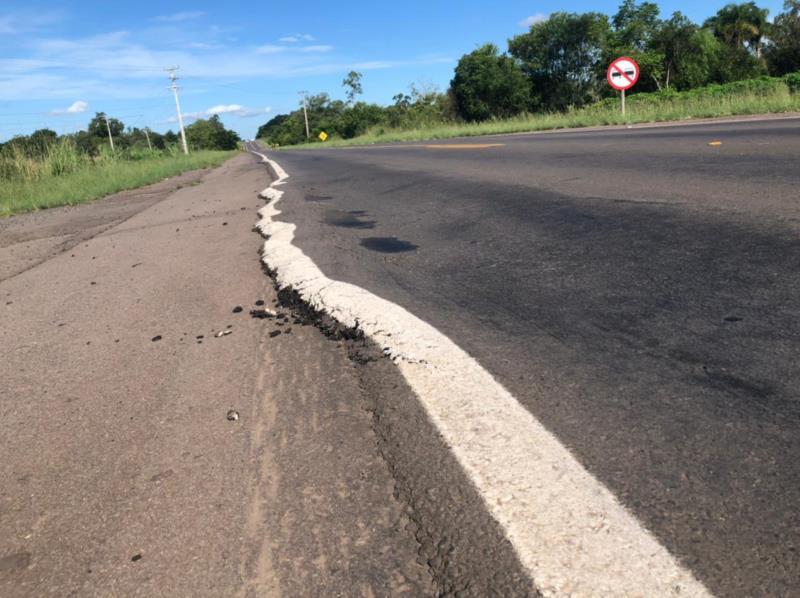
(553, 76)
(66, 178)
(43, 170)
(758, 96)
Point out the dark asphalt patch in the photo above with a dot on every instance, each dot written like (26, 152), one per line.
(237, 309)
(156, 338)
(346, 220)
(15, 562)
(262, 313)
(387, 244)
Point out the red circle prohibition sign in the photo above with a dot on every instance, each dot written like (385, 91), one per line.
(623, 73)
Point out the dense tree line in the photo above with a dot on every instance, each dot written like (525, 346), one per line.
(419, 108)
(560, 63)
(201, 134)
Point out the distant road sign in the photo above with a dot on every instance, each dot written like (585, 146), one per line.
(323, 136)
(623, 73)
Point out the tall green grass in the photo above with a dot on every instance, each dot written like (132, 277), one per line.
(65, 176)
(757, 96)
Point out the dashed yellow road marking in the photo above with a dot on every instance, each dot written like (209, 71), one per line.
(714, 143)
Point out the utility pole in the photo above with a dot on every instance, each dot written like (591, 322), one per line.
(174, 87)
(108, 128)
(147, 135)
(305, 112)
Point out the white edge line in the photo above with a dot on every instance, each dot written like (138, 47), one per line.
(569, 531)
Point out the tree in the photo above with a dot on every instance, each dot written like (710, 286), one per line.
(783, 53)
(397, 113)
(635, 28)
(686, 53)
(635, 25)
(353, 84)
(211, 134)
(271, 126)
(741, 29)
(358, 119)
(35, 145)
(561, 55)
(489, 84)
(97, 126)
(742, 26)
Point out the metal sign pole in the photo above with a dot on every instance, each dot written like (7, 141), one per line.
(623, 102)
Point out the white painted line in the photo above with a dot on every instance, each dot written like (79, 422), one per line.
(568, 529)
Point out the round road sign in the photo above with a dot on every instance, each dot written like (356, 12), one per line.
(623, 73)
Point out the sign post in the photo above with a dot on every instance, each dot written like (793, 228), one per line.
(622, 74)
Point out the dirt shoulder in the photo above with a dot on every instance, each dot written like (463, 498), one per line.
(122, 473)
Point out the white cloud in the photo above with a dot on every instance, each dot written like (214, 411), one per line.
(234, 109)
(180, 16)
(75, 108)
(25, 22)
(79, 106)
(204, 46)
(316, 48)
(128, 65)
(533, 19)
(297, 37)
(270, 49)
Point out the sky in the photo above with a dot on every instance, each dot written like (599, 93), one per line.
(60, 62)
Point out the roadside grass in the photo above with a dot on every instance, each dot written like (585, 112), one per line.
(63, 179)
(757, 96)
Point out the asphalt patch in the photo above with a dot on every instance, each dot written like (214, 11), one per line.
(387, 244)
(262, 313)
(346, 220)
(15, 562)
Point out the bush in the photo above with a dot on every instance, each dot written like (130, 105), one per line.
(792, 81)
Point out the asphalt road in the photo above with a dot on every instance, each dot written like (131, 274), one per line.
(635, 289)
(121, 473)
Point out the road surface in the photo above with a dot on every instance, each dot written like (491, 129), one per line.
(636, 292)
(120, 471)
(563, 364)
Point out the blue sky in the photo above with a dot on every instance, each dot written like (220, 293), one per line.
(61, 62)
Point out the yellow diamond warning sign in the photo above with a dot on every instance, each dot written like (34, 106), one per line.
(323, 136)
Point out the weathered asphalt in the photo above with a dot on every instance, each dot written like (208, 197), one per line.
(635, 289)
(120, 473)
